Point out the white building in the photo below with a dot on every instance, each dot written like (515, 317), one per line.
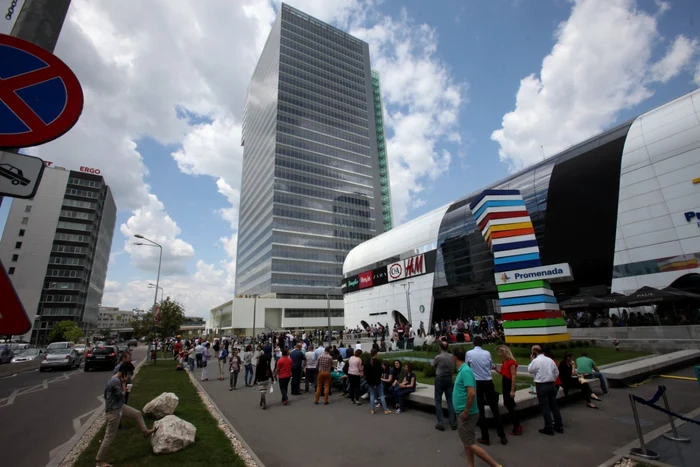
(113, 318)
(273, 314)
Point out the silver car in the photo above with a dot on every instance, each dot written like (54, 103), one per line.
(27, 355)
(60, 358)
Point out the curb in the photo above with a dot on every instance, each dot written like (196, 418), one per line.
(71, 444)
(219, 414)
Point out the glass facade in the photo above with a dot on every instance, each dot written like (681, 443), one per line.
(311, 187)
(385, 186)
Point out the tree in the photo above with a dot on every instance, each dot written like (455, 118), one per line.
(66, 330)
(166, 323)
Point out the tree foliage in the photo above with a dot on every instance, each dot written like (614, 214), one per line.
(166, 322)
(66, 330)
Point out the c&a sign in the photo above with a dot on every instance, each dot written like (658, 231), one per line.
(409, 267)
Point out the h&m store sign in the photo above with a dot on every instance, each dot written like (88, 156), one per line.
(402, 269)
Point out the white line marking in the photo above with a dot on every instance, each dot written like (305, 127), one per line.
(11, 399)
(10, 376)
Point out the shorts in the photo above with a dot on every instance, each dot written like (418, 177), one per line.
(467, 430)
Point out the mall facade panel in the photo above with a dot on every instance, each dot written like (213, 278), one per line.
(621, 208)
(313, 185)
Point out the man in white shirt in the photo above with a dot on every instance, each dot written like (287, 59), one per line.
(481, 364)
(358, 346)
(310, 369)
(198, 350)
(545, 373)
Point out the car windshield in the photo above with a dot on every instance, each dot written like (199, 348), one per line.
(28, 352)
(79, 346)
(58, 351)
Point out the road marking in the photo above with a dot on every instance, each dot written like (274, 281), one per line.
(78, 425)
(36, 388)
(10, 376)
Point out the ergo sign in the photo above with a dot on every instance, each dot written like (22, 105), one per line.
(89, 170)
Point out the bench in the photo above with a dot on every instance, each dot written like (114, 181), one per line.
(651, 365)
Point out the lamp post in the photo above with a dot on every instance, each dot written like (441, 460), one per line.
(160, 261)
(151, 285)
(330, 335)
(255, 313)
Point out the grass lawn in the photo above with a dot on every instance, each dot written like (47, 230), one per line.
(211, 446)
(601, 355)
(522, 382)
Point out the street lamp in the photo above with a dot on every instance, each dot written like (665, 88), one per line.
(151, 285)
(255, 312)
(407, 288)
(160, 261)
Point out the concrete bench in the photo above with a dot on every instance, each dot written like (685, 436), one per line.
(425, 395)
(652, 365)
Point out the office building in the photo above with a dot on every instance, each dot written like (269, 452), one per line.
(110, 318)
(315, 178)
(622, 209)
(56, 247)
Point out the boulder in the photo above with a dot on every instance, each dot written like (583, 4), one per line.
(163, 405)
(173, 434)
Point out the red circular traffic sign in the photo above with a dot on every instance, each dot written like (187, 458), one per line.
(40, 97)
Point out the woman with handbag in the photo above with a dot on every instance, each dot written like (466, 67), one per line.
(234, 368)
(571, 380)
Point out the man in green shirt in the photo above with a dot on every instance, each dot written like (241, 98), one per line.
(464, 401)
(586, 366)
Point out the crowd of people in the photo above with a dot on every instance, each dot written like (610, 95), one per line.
(298, 363)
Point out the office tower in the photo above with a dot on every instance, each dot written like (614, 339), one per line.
(315, 177)
(56, 248)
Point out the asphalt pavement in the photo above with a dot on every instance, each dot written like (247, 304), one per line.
(41, 411)
(303, 434)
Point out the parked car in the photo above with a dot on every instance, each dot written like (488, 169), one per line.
(6, 354)
(60, 345)
(105, 356)
(27, 355)
(60, 358)
(133, 343)
(80, 348)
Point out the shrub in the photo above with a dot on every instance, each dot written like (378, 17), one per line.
(428, 370)
(418, 348)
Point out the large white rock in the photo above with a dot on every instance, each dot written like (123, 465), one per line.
(173, 434)
(163, 405)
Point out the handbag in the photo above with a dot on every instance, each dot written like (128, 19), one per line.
(272, 388)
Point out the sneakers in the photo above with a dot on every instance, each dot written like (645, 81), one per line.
(371, 412)
(387, 412)
(454, 427)
(504, 441)
(439, 427)
(546, 432)
(398, 411)
(517, 432)
(366, 396)
(559, 430)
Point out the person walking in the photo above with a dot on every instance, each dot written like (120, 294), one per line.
(310, 369)
(222, 356)
(509, 372)
(198, 350)
(444, 367)
(373, 377)
(463, 396)
(324, 365)
(234, 367)
(481, 365)
(190, 358)
(263, 374)
(355, 371)
(283, 373)
(115, 409)
(298, 357)
(248, 364)
(545, 373)
(205, 361)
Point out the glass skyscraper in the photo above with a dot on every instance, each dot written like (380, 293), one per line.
(315, 176)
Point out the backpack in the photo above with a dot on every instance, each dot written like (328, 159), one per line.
(224, 353)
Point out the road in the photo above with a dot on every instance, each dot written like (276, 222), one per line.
(40, 412)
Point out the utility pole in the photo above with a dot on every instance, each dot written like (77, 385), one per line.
(39, 22)
(330, 335)
(407, 288)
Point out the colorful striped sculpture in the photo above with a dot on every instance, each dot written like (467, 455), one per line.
(529, 309)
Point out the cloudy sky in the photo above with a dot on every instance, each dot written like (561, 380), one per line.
(473, 90)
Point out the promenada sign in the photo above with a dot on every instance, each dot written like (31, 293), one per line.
(553, 273)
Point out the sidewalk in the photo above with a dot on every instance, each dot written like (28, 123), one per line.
(304, 434)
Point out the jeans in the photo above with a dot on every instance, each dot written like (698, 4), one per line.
(284, 385)
(296, 380)
(603, 383)
(233, 378)
(509, 403)
(310, 378)
(377, 392)
(324, 381)
(547, 397)
(249, 374)
(190, 362)
(199, 360)
(400, 394)
(443, 384)
(486, 395)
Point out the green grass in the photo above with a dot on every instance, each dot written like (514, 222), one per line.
(601, 355)
(211, 446)
(522, 382)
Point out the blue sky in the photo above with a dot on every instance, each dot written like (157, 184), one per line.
(164, 94)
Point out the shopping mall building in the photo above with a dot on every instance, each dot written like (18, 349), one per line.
(623, 209)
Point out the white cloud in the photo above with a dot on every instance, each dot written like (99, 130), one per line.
(600, 65)
(677, 58)
(696, 76)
